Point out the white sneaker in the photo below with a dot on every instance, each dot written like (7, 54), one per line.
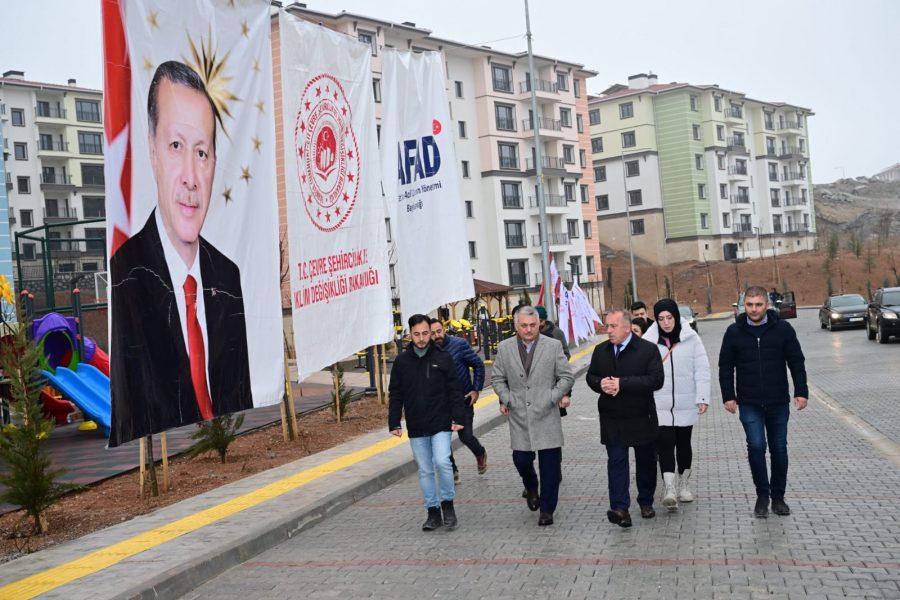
(669, 501)
(684, 493)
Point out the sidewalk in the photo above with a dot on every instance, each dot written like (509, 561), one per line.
(175, 549)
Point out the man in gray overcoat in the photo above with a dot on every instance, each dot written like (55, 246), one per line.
(532, 378)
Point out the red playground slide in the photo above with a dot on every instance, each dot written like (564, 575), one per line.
(55, 407)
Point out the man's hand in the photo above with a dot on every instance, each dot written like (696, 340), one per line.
(565, 401)
(504, 410)
(701, 408)
(731, 406)
(398, 432)
(800, 402)
(610, 385)
(456, 427)
(472, 397)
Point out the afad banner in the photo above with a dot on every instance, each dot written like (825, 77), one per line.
(195, 323)
(421, 183)
(340, 282)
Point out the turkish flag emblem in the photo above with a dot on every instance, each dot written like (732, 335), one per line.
(435, 127)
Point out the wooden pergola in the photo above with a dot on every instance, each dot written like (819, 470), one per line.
(487, 292)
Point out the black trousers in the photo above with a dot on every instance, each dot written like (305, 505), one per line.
(550, 466)
(467, 435)
(674, 442)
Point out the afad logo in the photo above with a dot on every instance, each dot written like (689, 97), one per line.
(327, 153)
(419, 158)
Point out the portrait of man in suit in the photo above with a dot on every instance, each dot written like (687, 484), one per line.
(179, 338)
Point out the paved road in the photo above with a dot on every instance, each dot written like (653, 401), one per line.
(843, 539)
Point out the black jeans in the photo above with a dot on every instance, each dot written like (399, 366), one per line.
(467, 435)
(674, 441)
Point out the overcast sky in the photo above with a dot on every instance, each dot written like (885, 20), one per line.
(837, 57)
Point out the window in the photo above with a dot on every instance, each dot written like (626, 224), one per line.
(502, 78)
(472, 253)
(378, 133)
(637, 227)
(696, 131)
(717, 104)
(584, 194)
(572, 227)
(769, 119)
(632, 168)
(565, 117)
(26, 217)
(458, 88)
(701, 190)
(465, 169)
(367, 37)
(582, 158)
(776, 223)
(91, 174)
(28, 251)
(704, 221)
(23, 185)
(462, 129)
(469, 210)
(569, 154)
(775, 197)
(802, 146)
(626, 110)
(628, 140)
(511, 193)
(695, 103)
(88, 266)
(387, 229)
(18, 119)
(596, 145)
(804, 196)
(518, 272)
(569, 192)
(588, 231)
(770, 146)
(773, 171)
(376, 89)
(600, 173)
(723, 191)
(96, 237)
(94, 208)
(726, 220)
(698, 162)
(635, 198)
(594, 116)
(90, 142)
(577, 87)
(589, 260)
(562, 82)
(720, 132)
(87, 110)
(509, 155)
(506, 117)
(515, 233)
(602, 202)
(21, 150)
(720, 161)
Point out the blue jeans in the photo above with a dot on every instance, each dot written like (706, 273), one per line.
(644, 475)
(432, 454)
(762, 423)
(550, 465)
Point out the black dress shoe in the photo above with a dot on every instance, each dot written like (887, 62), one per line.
(532, 499)
(545, 519)
(619, 517)
(647, 512)
(761, 510)
(780, 507)
(434, 519)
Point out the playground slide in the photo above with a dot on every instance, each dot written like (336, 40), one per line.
(88, 388)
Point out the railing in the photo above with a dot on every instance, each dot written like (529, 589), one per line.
(503, 85)
(548, 162)
(770, 151)
(540, 85)
(56, 179)
(776, 202)
(518, 279)
(509, 162)
(740, 199)
(794, 201)
(773, 176)
(63, 212)
(737, 170)
(54, 146)
(769, 125)
(794, 176)
(743, 229)
(555, 239)
(734, 113)
(506, 123)
(512, 201)
(796, 229)
(790, 125)
(543, 123)
(553, 200)
(515, 241)
(735, 142)
(51, 112)
(87, 116)
(790, 150)
(565, 275)
(90, 148)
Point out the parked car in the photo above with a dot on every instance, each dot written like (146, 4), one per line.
(786, 306)
(687, 313)
(882, 318)
(842, 310)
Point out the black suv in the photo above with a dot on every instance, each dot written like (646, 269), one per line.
(883, 315)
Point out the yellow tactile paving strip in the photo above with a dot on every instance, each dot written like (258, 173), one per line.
(52, 578)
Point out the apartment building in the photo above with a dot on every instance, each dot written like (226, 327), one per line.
(697, 172)
(5, 246)
(490, 103)
(53, 158)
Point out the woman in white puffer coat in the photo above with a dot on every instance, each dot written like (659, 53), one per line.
(682, 399)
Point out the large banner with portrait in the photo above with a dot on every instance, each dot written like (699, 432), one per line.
(195, 325)
(421, 183)
(340, 283)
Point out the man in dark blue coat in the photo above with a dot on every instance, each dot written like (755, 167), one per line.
(756, 348)
(470, 372)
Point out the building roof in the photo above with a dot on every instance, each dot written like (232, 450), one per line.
(488, 287)
(60, 87)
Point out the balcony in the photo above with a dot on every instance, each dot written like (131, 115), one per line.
(734, 113)
(550, 201)
(788, 152)
(544, 124)
(790, 125)
(515, 241)
(794, 176)
(540, 85)
(738, 170)
(740, 199)
(49, 112)
(56, 181)
(512, 201)
(794, 229)
(60, 214)
(551, 165)
(792, 201)
(506, 162)
(555, 239)
(53, 146)
(9, 183)
(737, 144)
(565, 275)
(743, 230)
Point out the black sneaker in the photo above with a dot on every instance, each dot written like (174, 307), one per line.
(434, 519)
(780, 507)
(761, 510)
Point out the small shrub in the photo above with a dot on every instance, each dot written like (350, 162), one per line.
(343, 390)
(216, 435)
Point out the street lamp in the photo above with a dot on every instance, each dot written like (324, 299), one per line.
(758, 243)
(634, 287)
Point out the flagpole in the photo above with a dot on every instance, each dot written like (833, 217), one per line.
(539, 172)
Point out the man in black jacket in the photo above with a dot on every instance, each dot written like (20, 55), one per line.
(625, 370)
(757, 347)
(425, 388)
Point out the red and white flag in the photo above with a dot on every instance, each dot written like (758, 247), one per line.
(116, 125)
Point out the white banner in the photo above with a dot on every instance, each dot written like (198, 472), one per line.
(194, 209)
(421, 183)
(340, 283)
